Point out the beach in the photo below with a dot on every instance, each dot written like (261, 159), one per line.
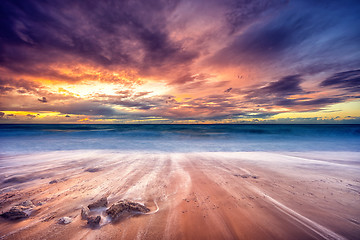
(179, 120)
(196, 195)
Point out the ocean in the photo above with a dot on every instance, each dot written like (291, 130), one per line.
(29, 138)
(231, 177)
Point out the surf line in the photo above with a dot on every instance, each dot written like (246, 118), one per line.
(315, 227)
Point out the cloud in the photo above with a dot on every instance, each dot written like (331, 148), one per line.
(268, 39)
(192, 79)
(4, 90)
(21, 85)
(288, 85)
(136, 100)
(315, 104)
(300, 35)
(349, 80)
(287, 92)
(228, 90)
(243, 12)
(86, 108)
(276, 92)
(188, 52)
(43, 99)
(108, 34)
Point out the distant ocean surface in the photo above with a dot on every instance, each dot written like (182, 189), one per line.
(18, 139)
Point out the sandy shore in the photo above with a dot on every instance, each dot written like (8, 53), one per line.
(245, 195)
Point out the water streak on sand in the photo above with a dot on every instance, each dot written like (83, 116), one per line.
(313, 226)
(194, 195)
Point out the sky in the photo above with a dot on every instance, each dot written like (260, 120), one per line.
(179, 61)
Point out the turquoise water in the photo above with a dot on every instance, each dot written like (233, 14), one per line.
(178, 138)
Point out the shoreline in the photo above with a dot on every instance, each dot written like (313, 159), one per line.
(225, 195)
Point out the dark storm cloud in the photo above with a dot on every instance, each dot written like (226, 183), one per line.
(267, 40)
(288, 85)
(181, 43)
(103, 32)
(184, 79)
(22, 85)
(306, 35)
(275, 38)
(194, 80)
(135, 34)
(349, 80)
(281, 93)
(322, 101)
(314, 103)
(136, 101)
(228, 90)
(4, 90)
(241, 12)
(134, 104)
(86, 108)
(43, 99)
(69, 106)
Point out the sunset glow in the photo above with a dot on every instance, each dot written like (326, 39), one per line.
(180, 62)
(179, 119)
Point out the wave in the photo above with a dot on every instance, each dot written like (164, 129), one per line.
(179, 138)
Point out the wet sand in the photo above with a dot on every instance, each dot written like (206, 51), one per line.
(223, 195)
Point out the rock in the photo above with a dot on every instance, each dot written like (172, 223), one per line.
(93, 170)
(126, 206)
(22, 210)
(85, 213)
(27, 203)
(246, 176)
(8, 195)
(65, 220)
(99, 203)
(17, 212)
(53, 181)
(94, 221)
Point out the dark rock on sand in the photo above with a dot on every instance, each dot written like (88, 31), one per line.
(126, 206)
(85, 212)
(16, 212)
(246, 176)
(8, 195)
(53, 181)
(27, 203)
(20, 211)
(99, 203)
(65, 220)
(93, 221)
(242, 175)
(93, 169)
